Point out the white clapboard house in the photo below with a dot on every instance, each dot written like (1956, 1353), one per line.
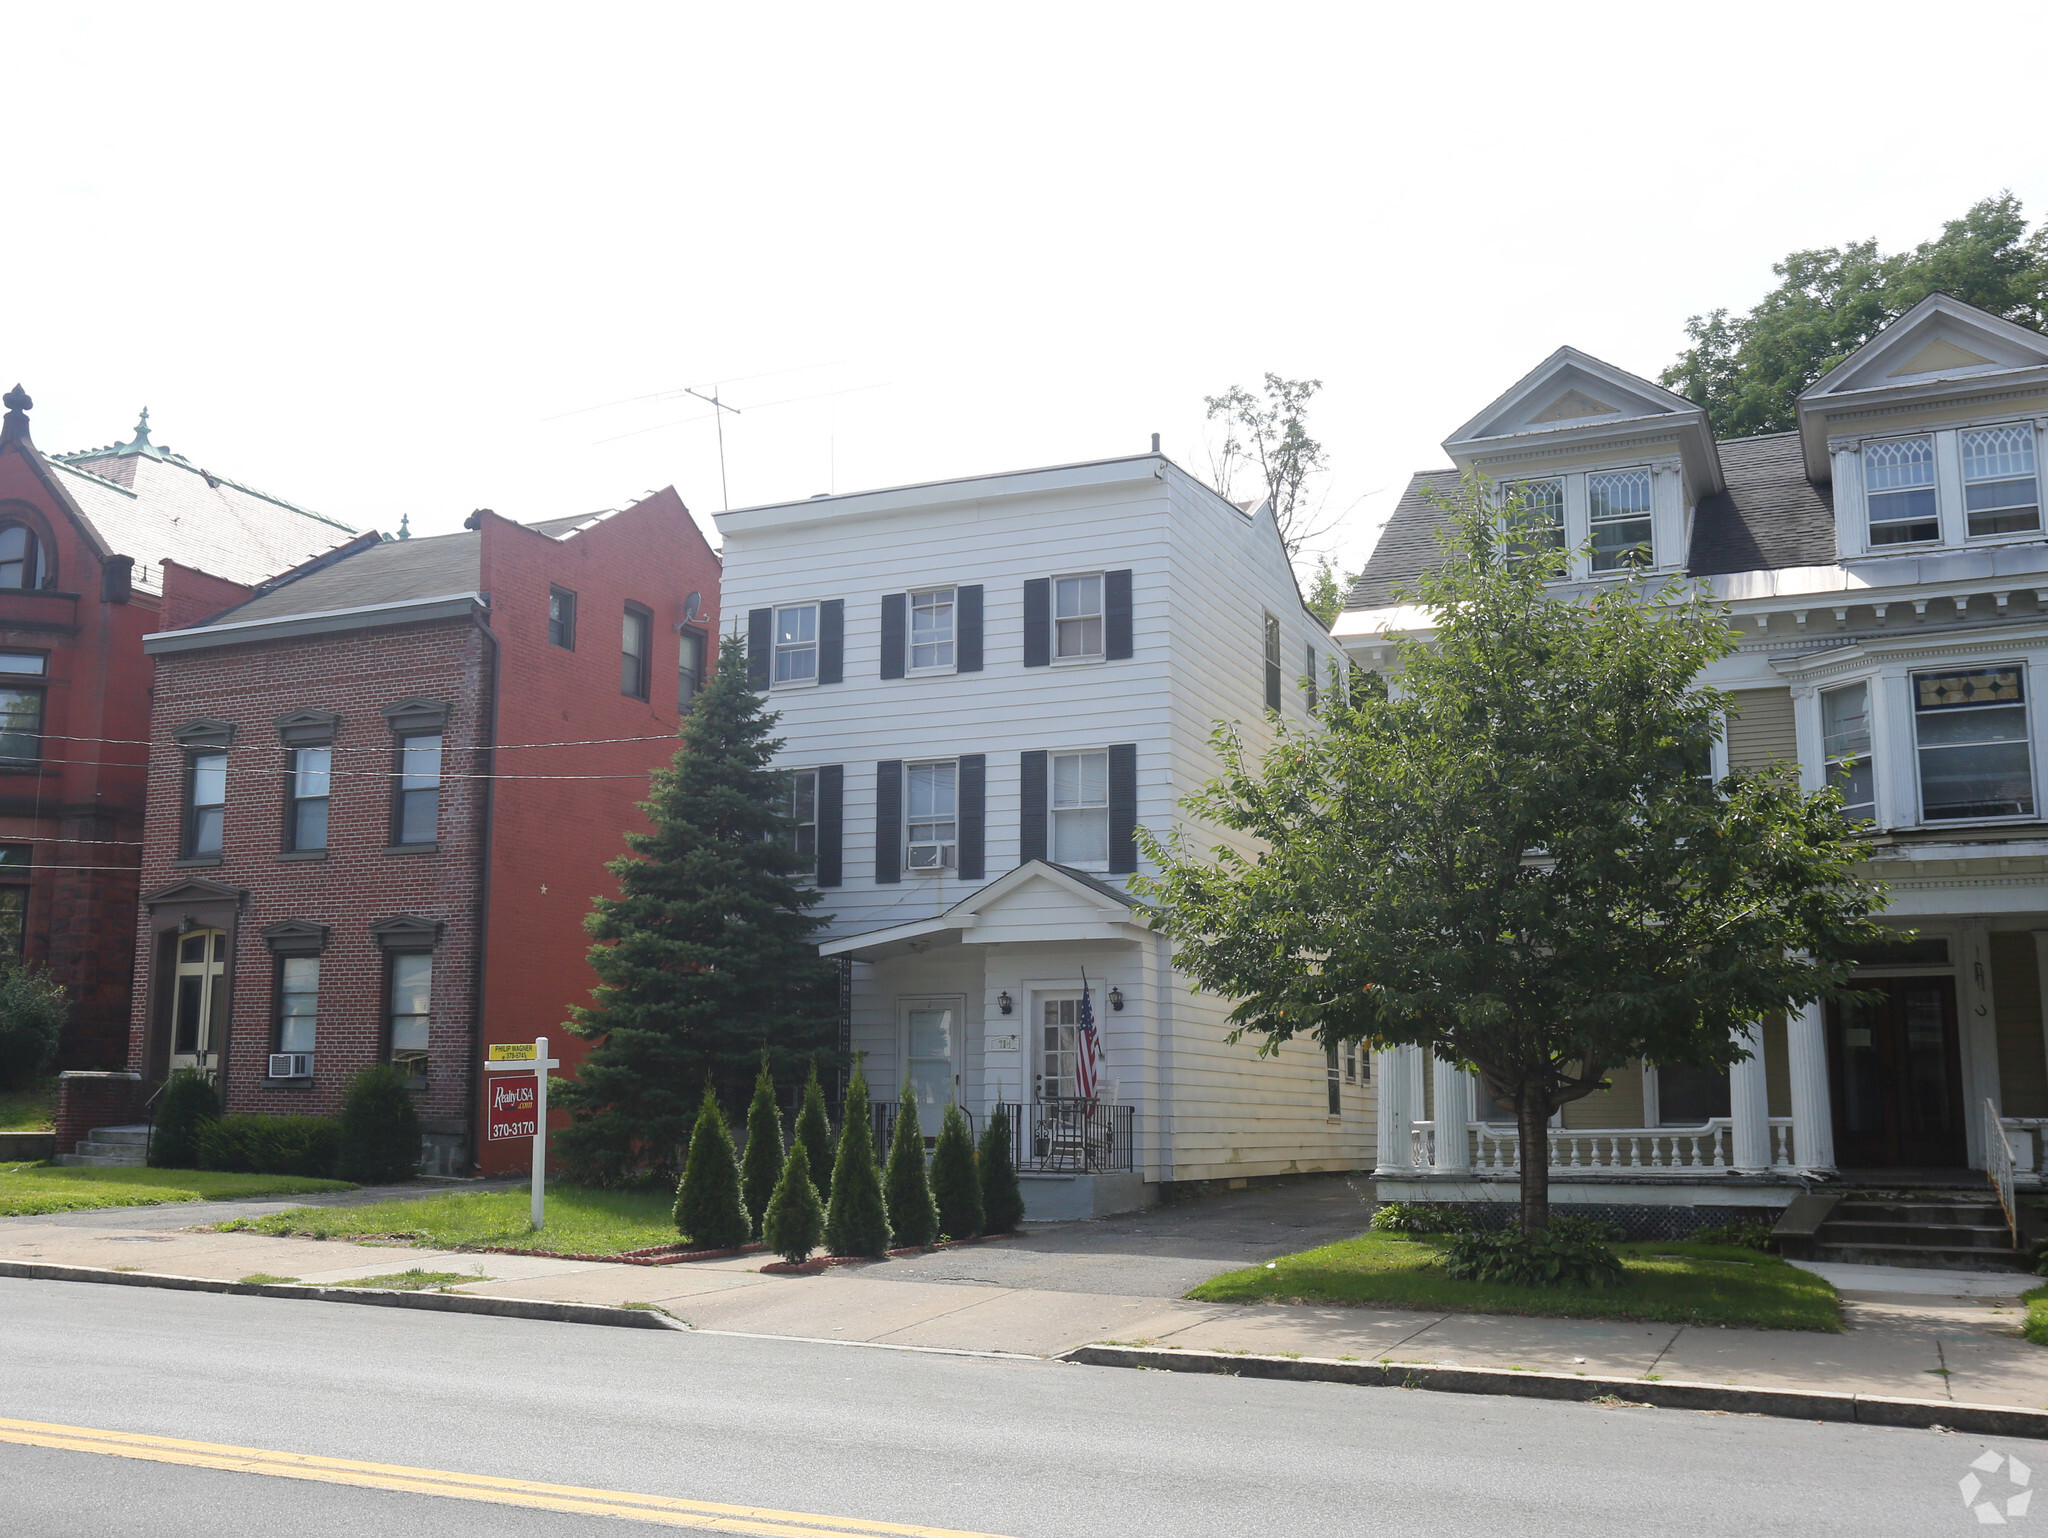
(985, 686)
(1886, 565)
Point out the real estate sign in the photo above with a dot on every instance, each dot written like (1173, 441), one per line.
(514, 1108)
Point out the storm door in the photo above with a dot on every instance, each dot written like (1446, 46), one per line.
(931, 1029)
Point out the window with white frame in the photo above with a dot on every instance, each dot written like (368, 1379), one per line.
(2001, 491)
(932, 806)
(803, 815)
(298, 1002)
(1618, 507)
(796, 644)
(1541, 505)
(1845, 743)
(931, 629)
(1898, 491)
(1077, 617)
(1970, 727)
(1080, 809)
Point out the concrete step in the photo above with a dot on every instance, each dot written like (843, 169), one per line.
(1933, 1257)
(136, 1134)
(1917, 1212)
(126, 1159)
(1992, 1236)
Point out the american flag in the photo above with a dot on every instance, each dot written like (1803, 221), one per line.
(1088, 1047)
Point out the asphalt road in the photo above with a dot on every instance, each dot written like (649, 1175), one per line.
(1027, 1448)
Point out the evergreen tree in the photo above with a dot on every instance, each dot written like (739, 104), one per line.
(814, 1131)
(795, 1220)
(1002, 1198)
(710, 1210)
(912, 1215)
(856, 1222)
(706, 955)
(380, 1128)
(763, 1163)
(185, 1104)
(956, 1184)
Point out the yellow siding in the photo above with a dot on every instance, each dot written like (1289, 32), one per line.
(1619, 1106)
(2016, 997)
(1760, 728)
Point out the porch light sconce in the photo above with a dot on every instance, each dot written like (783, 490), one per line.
(1004, 1002)
(1116, 999)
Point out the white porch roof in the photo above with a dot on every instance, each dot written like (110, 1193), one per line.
(1038, 901)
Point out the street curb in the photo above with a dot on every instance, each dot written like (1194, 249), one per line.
(1792, 1403)
(431, 1302)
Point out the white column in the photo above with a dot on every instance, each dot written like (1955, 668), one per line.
(1394, 1117)
(1813, 1111)
(1749, 1105)
(1453, 1111)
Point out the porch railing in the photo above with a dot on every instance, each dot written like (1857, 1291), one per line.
(1073, 1136)
(1676, 1151)
(1998, 1166)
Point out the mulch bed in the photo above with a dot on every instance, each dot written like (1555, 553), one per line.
(819, 1263)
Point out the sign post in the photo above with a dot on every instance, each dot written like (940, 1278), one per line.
(518, 1106)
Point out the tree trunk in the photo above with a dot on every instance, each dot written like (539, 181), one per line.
(1532, 1117)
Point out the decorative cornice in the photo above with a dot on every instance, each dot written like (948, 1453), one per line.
(409, 716)
(295, 937)
(407, 932)
(204, 734)
(308, 728)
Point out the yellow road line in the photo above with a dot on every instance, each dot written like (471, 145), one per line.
(668, 1511)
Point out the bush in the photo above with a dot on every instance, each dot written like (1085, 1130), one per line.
(184, 1105)
(1584, 1230)
(1747, 1234)
(913, 1217)
(711, 1210)
(32, 1013)
(1515, 1259)
(856, 1223)
(380, 1128)
(761, 1170)
(1422, 1218)
(795, 1219)
(814, 1131)
(270, 1145)
(1002, 1198)
(956, 1184)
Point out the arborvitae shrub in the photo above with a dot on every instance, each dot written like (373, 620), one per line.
(186, 1102)
(711, 1212)
(956, 1184)
(33, 1008)
(912, 1216)
(762, 1167)
(814, 1131)
(380, 1128)
(1002, 1199)
(795, 1220)
(271, 1145)
(856, 1222)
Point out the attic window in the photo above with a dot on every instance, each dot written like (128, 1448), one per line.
(1898, 485)
(2001, 492)
(21, 557)
(1542, 506)
(1618, 503)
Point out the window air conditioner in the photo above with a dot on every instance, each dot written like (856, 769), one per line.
(291, 1065)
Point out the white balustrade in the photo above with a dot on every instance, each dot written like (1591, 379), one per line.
(1673, 1151)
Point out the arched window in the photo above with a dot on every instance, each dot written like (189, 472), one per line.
(21, 557)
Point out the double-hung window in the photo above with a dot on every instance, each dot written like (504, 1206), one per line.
(1077, 617)
(796, 644)
(2001, 490)
(690, 672)
(20, 558)
(206, 797)
(1540, 509)
(635, 652)
(307, 790)
(1971, 731)
(932, 808)
(409, 1012)
(1898, 491)
(298, 1002)
(1080, 809)
(416, 813)
(562, 618)
(931, 630)
(803, 815)
(1845, 743)
(21, 707)
(1618, 508)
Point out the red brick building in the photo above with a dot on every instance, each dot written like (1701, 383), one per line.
(84, 543)
(394, 776)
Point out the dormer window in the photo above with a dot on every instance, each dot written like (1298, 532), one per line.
(1611, 511)
(1618, 506)
(21, 562)
(1542, 507)
(2001, 492)
(1898, 484)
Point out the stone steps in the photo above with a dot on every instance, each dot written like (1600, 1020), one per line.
(1935, 1230)
(111, 1147)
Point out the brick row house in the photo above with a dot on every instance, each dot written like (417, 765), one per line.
(382, 791)
(86, 541)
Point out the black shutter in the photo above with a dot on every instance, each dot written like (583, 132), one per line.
(889, 820)
(1031, 819)
(760, 647)
(967, 629)
(1116, 614)
(1123, 808)
(831, 823)
(1038, 622)
(832, 641)
(973, 843)
(895, 622)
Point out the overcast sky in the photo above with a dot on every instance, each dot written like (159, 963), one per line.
(402, 260)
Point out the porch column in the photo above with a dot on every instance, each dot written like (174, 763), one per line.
(1394, 1117)
(1749, 1106)
(1451, 1086)
(1813, 1112)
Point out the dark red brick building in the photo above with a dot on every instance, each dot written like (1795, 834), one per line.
(392, 780)
(85, 539)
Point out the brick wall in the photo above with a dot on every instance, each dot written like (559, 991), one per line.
(90, 1099)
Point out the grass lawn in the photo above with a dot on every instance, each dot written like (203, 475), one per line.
(2036, 1327)
(580, 1221)
(1677, 1283)
(26, 1189)
(29, 1110)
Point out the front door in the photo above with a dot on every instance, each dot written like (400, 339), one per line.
(1896, 1072)
(199, 1001)
(932, 1043)
(1059, 1043)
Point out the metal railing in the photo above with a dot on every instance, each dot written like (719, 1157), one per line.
(1998, 1167)
(1073, 1136)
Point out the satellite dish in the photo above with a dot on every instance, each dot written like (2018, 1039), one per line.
(691, 605)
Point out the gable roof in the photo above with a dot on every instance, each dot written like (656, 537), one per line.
(390, 571)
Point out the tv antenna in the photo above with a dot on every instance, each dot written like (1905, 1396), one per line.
(718, 415)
